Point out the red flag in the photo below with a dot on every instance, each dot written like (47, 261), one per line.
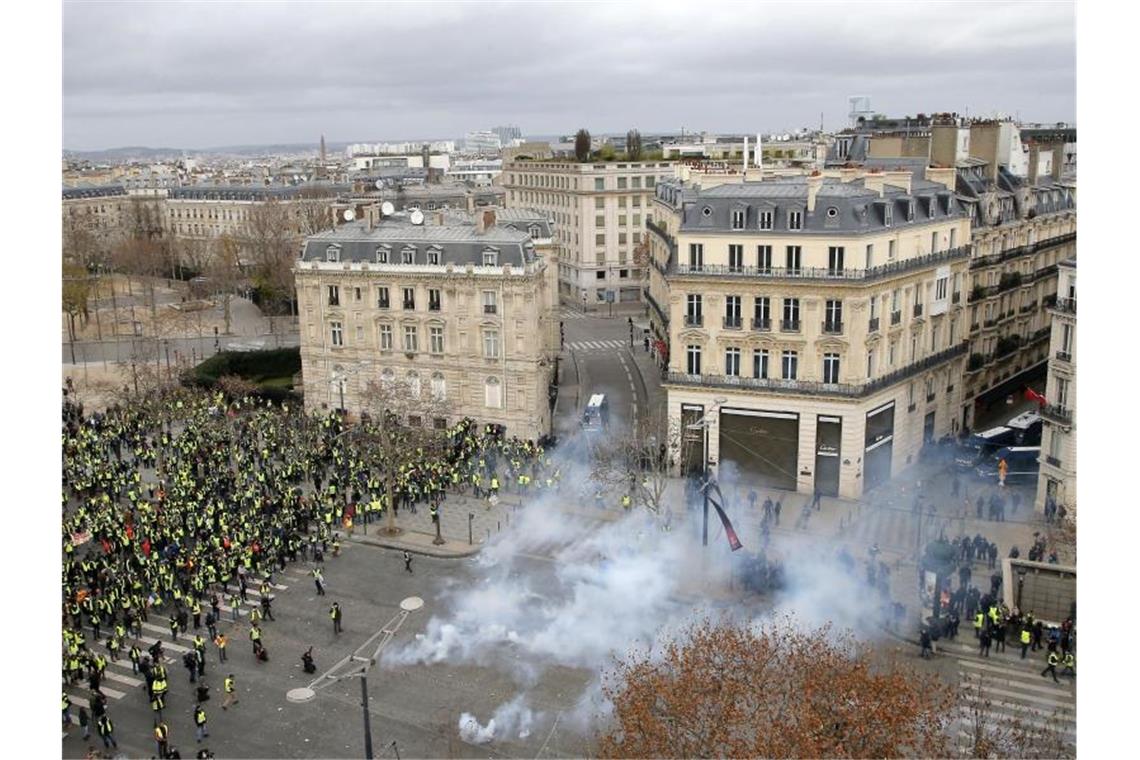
(1032, 395)
(146, 547)
(733, 540)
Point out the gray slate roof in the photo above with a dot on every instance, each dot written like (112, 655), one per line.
(253, 193)
(102, 191)
(458, 244)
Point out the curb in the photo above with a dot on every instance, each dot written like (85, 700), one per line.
(413, 548)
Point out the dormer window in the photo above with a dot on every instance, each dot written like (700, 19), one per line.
(332, 253)
(933, 212)
(408, 255)
(832, 212)
(433, 256)
(888, 215)
(765, 220)
(534, 230)
(738, 219)
(490, 257)
(795, 220)
(910, 211)
(382, 254)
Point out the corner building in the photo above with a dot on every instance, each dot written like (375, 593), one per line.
(459, 309)
(814, 326)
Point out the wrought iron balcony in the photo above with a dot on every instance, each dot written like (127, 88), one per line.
(732, 322)
(1065, 356)
(873, 325)
(956, 297)
(694, 320)
(410, 305)
(762, 325)
(896, 317)
(815, 273)
(490, 308)
(1062, 415)
(832, 327)
(1052, 460)
(1067, 305)
(917, 310)
(809, 387)
(789, 325)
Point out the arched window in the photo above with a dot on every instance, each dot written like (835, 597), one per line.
(492, 393)
(387, 379)
(414, 384)
(438, 386)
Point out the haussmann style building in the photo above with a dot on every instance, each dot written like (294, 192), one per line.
(458, 308)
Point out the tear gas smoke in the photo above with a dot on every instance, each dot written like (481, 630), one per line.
(511, 719)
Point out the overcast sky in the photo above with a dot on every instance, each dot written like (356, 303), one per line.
(202, 74)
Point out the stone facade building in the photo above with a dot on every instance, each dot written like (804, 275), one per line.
(1058, 477)
(813, 326)
(459, 308)
(600, 211)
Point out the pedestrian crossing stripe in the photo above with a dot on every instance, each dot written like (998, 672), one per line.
(999, 675)
(1019, 695)
(121, 678)
(1022, 712)
(596, 345)
(112, 693)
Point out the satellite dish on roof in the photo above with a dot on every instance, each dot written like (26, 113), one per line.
(379, 184)
(349, 215)
(417, 216)
(387, 209)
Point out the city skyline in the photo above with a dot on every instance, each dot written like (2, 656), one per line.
(382, 72)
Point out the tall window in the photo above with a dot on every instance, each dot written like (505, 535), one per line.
(385, 337)
(891, 353)
(410, 339)
(490, 302)
(765, 220)
(868, 262)
(696, 255)
(933, 242)
(760, 364)
(791, 314)
(870, 364)
(738, 219)
(693, 309)
(735, 258)
(492, 393)
(764, 258)
(789, 362)
(831, 368)
(793, 258)
(732, 362)
(1067, 338)
(408, 255)
(795, 220)
(833, 315)
(693, 358)
(334, 295)
(436, 336)
(410, 298)
(891, 249)
(491, 344)
(835, 260)
(732, 311)
(762, 313)
(490, 258)
(337, 333)
(438, 386)
(382, 301)
(414, 384)
(1062, 392)
(435, 302)
(433, 257)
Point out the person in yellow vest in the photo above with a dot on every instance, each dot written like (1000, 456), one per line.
(1070, 665)
(1051, 667)
(1026, 638)
(200, 731)
(625, 501)
(220, 643)
(161, 737)
(979, 621)
(231, 697)
(1003, 468)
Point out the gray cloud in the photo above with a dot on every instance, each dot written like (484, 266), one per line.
(197, 74)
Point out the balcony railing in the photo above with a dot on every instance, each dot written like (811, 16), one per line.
(1052, 460)
(896, 317)
(410, 305)
(809, 387)
(694, 320)
(821, 273)
(490, 308)
(873, 325)
(1026, 308)
(1065, 356)
(1062, 415)
(956, 297)
(732, 322)
(657, 307)
(832, 327)
(1021, 250)
(762, 325)
(789, 325)
(383, 304)
(1067, 305)
(917, 310)
(434, 306)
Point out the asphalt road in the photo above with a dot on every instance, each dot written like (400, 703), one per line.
(417, 707)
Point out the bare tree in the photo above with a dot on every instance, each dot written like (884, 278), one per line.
(225, 273)
(274, 244)
(401, 431)
(313, 212)
(638, 463)
(633, 145)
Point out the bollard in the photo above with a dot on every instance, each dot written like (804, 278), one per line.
(488, 534)
(498, 526)
(508, 519)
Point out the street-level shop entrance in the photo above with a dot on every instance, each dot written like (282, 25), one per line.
(763, 446)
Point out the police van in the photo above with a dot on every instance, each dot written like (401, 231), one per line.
(597, 414)
(1021, 462)
(977, 448)
(1027, 428)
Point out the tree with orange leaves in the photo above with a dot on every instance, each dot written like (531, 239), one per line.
(729, 690)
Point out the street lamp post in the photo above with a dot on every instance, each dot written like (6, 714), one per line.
(1020, 584)
(470, 522)
(702, 424)
(305, 694)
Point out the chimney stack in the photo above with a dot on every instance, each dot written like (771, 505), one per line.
(814, 183)
(484, 220)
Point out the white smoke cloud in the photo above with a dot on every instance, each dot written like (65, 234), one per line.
(511, 720)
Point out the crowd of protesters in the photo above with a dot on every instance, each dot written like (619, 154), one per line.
(175, 504)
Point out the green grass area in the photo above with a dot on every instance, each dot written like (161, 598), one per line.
(271, 371)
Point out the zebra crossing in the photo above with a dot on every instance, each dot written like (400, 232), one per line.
(1003, 688)
(597, 345)
(119, 678)
(571, 314)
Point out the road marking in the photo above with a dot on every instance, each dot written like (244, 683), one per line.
(122, 679)
(1019, 695)
(113, 693)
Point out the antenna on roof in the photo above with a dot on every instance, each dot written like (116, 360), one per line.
(416, 217)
